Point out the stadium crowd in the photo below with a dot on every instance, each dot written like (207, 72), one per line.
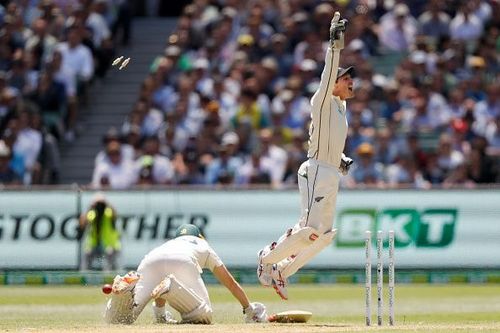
(50, 53)
(228, 100)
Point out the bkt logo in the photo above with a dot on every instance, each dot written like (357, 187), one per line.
(427, 228)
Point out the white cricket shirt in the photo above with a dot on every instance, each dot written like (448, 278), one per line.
(192, 247)
(328, 129)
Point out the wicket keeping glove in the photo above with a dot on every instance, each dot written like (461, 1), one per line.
(337, 29)
(255, 313)
(345, 164)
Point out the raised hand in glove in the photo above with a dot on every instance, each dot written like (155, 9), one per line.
(337, 29)
(255, 313)
(345, 164)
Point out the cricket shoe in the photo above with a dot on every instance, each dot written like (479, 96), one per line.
(279, 282)
(161, 289)
(167, 318)
(125, 283)
(264, 270)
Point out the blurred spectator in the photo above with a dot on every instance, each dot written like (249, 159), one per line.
(398, 29)
(28, 144)
(448, 158)
(366, 171)
(405, 173)
(386, 147)
(435, 22)
(77, 59)
(41, 43)
(113, 135)
(272, 158)
(459, 177)
(487, 110)
(188, 171)
(466, 26)
(482, 169)
(493, 134)
(49, 157)
(50, 98)
(224, 167)
(7, 174)
(101, 237)
(297, 153)
(253, 171)
(152, 167)
(115, 171)
(122, 25)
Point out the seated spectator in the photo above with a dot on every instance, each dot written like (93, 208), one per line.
(50, 156)
(7, 174)
(365, 171)
(50, 98)
(485, 111)
(41, 43)
(113, 135)
(405, 173)
(297, 154)
(76, 58)
(187, 169)
(459, 177)
(157, 167)
(224, 167)
(28, 144)
(253, 171)
(386, 147)
(273, 158)
(465, 26)
(115, 171)
(481, 167)
(435, 22)
(448, 158)
(493, 134)
(250, 112)
(398, 29)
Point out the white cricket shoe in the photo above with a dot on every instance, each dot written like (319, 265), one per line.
(264, 270)
(125, 283)
(279, 282)
(161, 289)
(163, 316)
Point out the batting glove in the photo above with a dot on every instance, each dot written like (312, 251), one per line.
(337, 29)
(255, 313)
(345, 164)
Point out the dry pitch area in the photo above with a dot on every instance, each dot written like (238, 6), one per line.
(336, 308)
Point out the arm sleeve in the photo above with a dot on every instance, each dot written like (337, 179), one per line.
(328, 78)
(212, 260)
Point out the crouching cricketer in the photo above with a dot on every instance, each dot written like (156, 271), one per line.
(171, 273)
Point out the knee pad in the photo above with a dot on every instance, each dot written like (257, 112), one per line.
(192, 307)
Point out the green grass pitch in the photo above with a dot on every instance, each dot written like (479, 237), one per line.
(335, 308)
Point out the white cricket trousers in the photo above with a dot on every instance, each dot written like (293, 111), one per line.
(318, 187)
(153, 269)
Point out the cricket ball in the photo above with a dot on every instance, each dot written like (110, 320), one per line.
(107, 288)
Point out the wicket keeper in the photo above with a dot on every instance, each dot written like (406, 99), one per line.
(318, 177)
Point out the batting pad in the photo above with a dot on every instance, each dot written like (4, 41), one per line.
(119, 309)
(192, 307)
(291, 245)
(290, 266)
